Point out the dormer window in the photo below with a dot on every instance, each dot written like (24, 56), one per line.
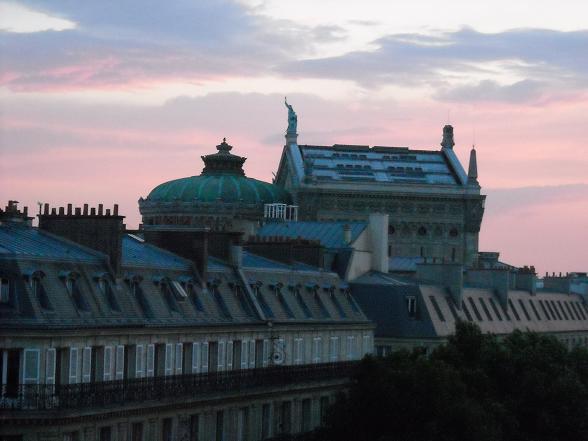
(4, 291)
(39, 290)
(73, 288)
(106, 289)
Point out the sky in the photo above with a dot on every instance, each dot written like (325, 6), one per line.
(102, 101)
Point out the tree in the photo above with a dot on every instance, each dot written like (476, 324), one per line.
(526, 387)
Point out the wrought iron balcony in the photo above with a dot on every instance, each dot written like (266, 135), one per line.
(123, 392)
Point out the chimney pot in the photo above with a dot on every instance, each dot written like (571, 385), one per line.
(54, 211)
(85, 209)
(46, 209)
(93, 211)
(69, 206)
(78, 211)
(108, 212)
(115, 212)
(25, 211)
(100, 209)
(61, 211)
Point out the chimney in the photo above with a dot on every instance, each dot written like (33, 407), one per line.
(378, 236)
(12, 214)
(448, 275)
(473, 168)
(101, 233)
(447, 142)
(237, 256)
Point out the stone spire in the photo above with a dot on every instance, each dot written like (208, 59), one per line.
(447, 142)
(473, 168)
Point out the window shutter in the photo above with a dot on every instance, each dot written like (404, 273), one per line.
(120, 362)
(244, 354)
(221, 356)
(179, 360)
(229, 355)
(139, 362)
(108, 363)
(205, 357)
(50, 366)
(252, 353)
(334, 349)
(316, 358)
(31, 367)
(350, 344)
(265, 353)
(150, 360)
(297, 350)
(168, 359)
(73, 365)
(87, 364)
(195, 358)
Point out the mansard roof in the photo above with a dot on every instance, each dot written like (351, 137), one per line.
(388, 165)
(329, 233)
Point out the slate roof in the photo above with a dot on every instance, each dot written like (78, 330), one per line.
(254, 261)
(137, 253)
(30, 242)
(398, 165)
(330, 234)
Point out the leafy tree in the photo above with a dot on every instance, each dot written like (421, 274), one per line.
(525, 387)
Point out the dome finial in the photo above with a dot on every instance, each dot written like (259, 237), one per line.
(223, 147)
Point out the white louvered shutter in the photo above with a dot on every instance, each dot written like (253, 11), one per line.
(179, 358)
(87, 364)
(50, 366)
(244, 354)
(229, 355)
(73, 365)
(139, 361)
(150, 368)
(120, 362)
(265, 353)
(252, 353)
(195, 358)
(366, 345)
(205, 357)
(108, 363)
(169, 354)
(221, 356)
(334, 349)
(317, 350)
(31, 366)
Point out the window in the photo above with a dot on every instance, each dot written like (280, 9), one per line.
(321, 305)
(166, 429)
(195, 298)
(514, 311)
(437, 309)
(579, 306)
(485, 309)
(266, 421)
(554, 306)
(74, 290)
(298, 351)
(534, 310)
(242, 424)
(411, 306)
(569, 311)
(495, 308)
(244, 301)
(453, 232)
(451, 305)
(475, 309)
(178, 290)
(31, 366)
(422, 231)
(562, 310)
(4, 290)
(137, 432)
(302, 304)
(284, 304)
(40, 293)
(467, 312)
(141, 299)
(527, 316)
(306, 413)
(220, 302)
(220, 426)
(338, 305)
(550, 307)
(317, 349)
(194, 427)
(334, 348)
(267, 311)
(169, 297)
(544, 310)
(106, 289)
(350, 347)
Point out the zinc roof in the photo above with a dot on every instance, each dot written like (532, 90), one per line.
(330, 234)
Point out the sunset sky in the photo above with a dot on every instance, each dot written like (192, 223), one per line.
(102, 100)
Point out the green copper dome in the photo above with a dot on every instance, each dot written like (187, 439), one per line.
(222, 180)
(219, 188)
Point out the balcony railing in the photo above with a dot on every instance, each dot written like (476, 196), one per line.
(121, 392)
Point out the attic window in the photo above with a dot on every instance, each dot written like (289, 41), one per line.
(4, 291)
(178, 290)
(106, 288)
(411, 306)
(40, 293)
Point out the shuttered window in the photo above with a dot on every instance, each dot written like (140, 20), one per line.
(139, 362)
(229, 355)
(150, 360)
(120, 362)
(108, 363)
(317, 349)
(266, 344)
(334, 348)
(31, 366)
(204, 357)
(297, 351)
(221, 355)
(179, 358)
(350, 347)
(50, 366)
(73, 365)
(195, 358)
(252, 354)
(169, 359)
(87, 364)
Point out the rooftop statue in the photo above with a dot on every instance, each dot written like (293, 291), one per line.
(292, 118)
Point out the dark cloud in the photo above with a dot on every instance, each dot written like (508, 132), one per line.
(140, 42)
(546, 59)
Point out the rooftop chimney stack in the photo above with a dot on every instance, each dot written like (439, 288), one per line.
(99, 232)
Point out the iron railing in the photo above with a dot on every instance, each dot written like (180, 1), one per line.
(116, 393)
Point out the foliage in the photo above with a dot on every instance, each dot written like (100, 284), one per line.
(525, 387)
